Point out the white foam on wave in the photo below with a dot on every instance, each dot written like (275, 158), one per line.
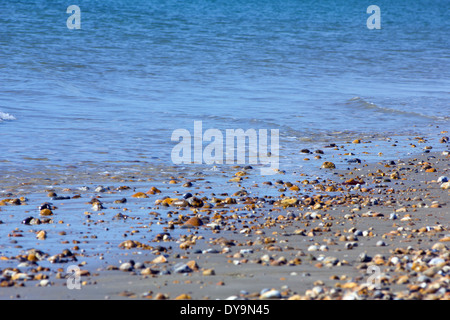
(6, 116)
(361, 103)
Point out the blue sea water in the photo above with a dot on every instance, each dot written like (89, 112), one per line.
(115, 90)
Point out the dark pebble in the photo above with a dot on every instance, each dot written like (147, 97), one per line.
(61, 198)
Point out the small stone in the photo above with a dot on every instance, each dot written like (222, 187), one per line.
(41, 235)
(27, 220)
(139, 195)
(442, 179)
(439, 246)
(46, 212)
(126, 266)
(97, 206)
(193, 265)
(153, 190)
(363, 257)
(394, 260)
(128, 244)
(148, 271)
(193, 222)
(271, 294)
(160, 259)
(330, 261)
(430, 272)
(350, 245)
(183, 296)
(403, 279)
(181, 268)
(180, 203)
(328, 165)
(100, 189)
(161, 296)
(209, 272)
(445, 185)
(381, 244)
(44, 283)
(435, 261)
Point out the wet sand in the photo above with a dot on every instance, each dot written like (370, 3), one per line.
(360, 231)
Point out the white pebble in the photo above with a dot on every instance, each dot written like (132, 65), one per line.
(271, 294)
(381, 243)
(395, 260)
(44, 283)
(435, 261)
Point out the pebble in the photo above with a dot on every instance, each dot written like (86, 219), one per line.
(328, 165)
(46, 212)
(435, 261)
(442, 179)
(61, 198)
(381, 243)
(44, 283)
(27, 220)
(181, 268)
(41, 235)
(193, 222)
(126, 266)
(445, 185)
(209, 251)
(209, 272)
(393, 216)
(160, 259)
(330, 261)
(317, 290)
(100, 189)
(351, 245)
(270, 294)
(363, 257)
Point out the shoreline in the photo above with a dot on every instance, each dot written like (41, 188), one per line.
(279, 248)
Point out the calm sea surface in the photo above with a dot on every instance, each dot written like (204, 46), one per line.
(115, 90)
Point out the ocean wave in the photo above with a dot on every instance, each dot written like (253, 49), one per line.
(6, 116)
(361, 103)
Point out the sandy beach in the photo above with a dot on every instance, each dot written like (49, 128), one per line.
(361, 231)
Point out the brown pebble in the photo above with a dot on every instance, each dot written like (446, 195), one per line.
(41, 235)
(328, 165)
(193, 222)
(46, 212)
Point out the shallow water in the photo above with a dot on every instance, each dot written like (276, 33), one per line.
(113, 92)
